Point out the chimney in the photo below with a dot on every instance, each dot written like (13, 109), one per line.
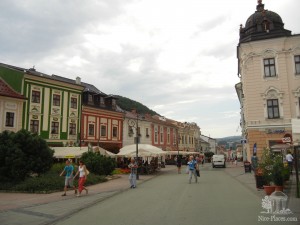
(78, 80)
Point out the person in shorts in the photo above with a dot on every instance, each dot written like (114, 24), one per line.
(68, 171)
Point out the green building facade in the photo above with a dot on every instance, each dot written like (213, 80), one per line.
(52, 108)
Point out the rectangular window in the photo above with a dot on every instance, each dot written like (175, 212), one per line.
(115, 132)
(91, 129)
(34, 126)
(147, 132)
(273, 108)
(139, 131)
(10, 118)
(103, 131)
(35, 96)
(130, 130)
(297, 64)
(56, 100)
(161, 135)
(174, 139)
(90, 98)
(102, 103)
(155, 135)
(74, 103)
(54, 127)
(269, 67)
(72, 129)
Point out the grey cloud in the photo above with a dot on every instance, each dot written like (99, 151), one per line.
(33, 28)
(221, 50)
(210, 25)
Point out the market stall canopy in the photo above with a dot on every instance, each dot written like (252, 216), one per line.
(102, 151)
(143, 150)
(181, 153)
(68, 152)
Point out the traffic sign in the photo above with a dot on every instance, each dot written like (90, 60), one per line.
(286, 140)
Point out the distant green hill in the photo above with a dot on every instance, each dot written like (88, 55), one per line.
(229, 142)
(129, 104)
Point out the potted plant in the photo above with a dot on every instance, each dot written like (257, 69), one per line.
(266, 165)
(278, 172)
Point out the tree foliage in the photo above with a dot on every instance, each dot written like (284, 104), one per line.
(98, 164)
(22, 154)
(128, 104)
(208, 154)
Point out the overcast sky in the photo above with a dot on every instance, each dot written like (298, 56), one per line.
(178, 57)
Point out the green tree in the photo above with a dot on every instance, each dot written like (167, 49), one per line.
(98, 164)
(208, 154)
(22, 154)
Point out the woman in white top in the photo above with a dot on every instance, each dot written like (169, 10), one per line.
(83, 172)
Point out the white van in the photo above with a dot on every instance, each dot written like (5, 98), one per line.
(218, 160)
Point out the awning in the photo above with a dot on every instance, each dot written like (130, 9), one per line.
(69, 152)
(182, 153)
(279, 147)
(102, 151)
(143, 150)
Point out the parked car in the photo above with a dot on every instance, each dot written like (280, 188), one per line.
(218, 160)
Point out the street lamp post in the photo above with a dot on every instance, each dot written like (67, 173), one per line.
(135, 124)
(179, 159)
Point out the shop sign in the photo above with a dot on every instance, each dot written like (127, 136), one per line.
(287, 138)
(275, 131)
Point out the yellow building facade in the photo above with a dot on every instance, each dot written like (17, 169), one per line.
(269, 88)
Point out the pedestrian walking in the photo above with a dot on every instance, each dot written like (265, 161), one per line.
(254, 162)
(289, 158)
(133, 171)
(82, 172)
(178, 163)
(68, 171)
(235, 160)
(197, 167)
(192, 166)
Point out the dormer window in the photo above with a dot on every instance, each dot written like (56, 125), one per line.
(90, 98)
(113, 103)
(102, 101)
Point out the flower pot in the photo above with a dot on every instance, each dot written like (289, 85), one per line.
(269, 189)
(279, 188)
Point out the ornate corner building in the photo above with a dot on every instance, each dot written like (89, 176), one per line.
(269, 89)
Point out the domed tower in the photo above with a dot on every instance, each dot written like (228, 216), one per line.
(263, 24)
